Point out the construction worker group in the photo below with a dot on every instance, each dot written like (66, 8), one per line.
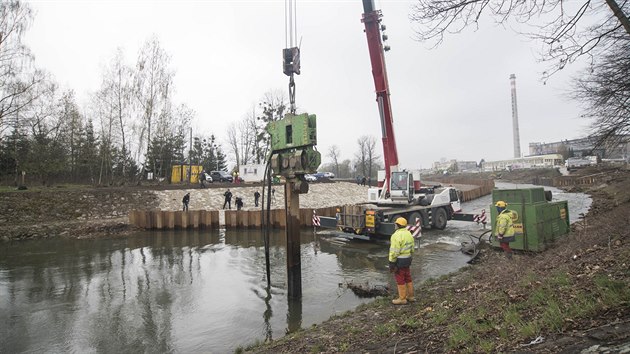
(402, 247)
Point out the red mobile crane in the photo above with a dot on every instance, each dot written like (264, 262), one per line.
(399, 193)
(372, 21)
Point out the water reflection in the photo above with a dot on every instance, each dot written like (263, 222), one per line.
(190, 291)
(160, 292)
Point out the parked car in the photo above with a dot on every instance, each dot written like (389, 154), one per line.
(221, 176)
(310, 178)
(324, 175)
(206, 177)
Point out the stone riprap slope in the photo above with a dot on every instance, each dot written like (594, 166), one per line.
(320, 195)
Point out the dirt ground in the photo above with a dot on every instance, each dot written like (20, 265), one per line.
(598, 246)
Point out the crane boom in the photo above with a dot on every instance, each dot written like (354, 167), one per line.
(371, 19)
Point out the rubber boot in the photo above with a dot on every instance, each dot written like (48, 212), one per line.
(410, 297)
(402, 295)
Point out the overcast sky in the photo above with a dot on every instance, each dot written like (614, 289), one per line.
(452, 102)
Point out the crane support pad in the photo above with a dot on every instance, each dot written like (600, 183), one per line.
(464, 217)
(328, 222)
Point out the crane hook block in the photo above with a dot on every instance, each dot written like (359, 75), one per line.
(291, 61)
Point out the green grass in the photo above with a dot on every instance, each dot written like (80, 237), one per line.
(534, 306)
(384, 330)
(440, 316)
(529, 329)
(485, 346)
(528, 278)
(412, 323)
(553, 316)
(351, 329)
(539, 297)
(583, 305)
(511, 316)
(612, 292)
(560, 280)
(460, 336)
(317, 348)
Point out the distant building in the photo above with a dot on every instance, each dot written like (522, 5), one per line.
(539, 161)
(583, 147)
(455, 166)
(252, 173)
(444, 165)
(467, 166)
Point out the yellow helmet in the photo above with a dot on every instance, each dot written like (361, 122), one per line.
(501, 204)
(402, 222)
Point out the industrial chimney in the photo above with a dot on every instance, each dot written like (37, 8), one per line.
(517, 139)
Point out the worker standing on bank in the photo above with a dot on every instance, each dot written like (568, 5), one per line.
(185, 201)
(504, 228)
(400, 253)
(228, 199)
(256, 197)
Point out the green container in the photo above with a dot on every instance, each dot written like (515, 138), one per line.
(538, 223)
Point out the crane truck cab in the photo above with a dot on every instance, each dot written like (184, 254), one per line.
(405, 190)
(425, 206)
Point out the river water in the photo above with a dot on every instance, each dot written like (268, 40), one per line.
(192, 291)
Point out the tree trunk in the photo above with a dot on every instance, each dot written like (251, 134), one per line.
(619, 14)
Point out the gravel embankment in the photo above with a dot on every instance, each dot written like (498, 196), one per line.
(320, 195)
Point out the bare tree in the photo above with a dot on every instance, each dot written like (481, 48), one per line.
(258, 138)
(72, 126)
(334, 153)
(604, 91)
(345, 169)
(117, 84)
(233, 142)
(18, 80)
(273, 105)
(249, 130)
(367, 157)
(104, 111)
(565, 29)
(153, 80)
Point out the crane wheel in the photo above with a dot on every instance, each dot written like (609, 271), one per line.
(411, 220)
(439, 218)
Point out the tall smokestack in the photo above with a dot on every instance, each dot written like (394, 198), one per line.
(517, 139)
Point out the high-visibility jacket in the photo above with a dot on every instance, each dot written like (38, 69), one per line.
(505, 226)
(401, 245)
